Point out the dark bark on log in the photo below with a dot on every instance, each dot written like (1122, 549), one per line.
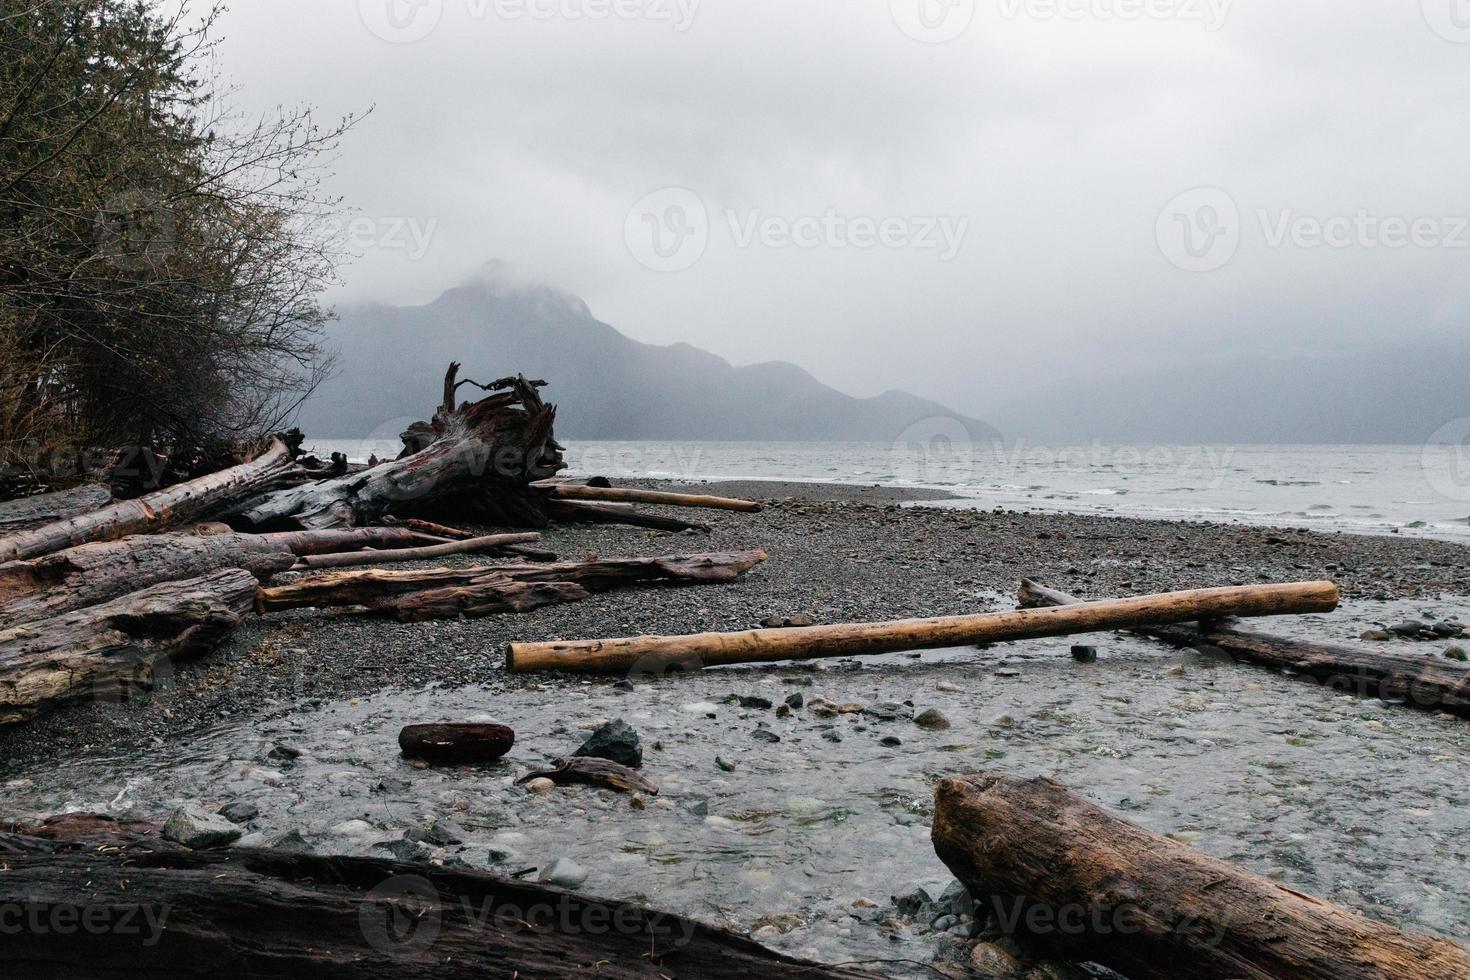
(857, 639)
(570, 511)
(175, 505)
(25, 513)
(486, 454)
(1093, 887)
(453, 744)
(92, 573)
(445, 593)
(595, 772)
(1432, 683)
(492, 542)
(252, 913)
(107, 650)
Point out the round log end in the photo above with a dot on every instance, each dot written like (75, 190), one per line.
(456, 743)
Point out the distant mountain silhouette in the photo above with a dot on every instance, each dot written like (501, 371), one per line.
(1391, 396)
(606, 385)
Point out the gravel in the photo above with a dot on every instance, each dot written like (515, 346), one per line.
(837, 554)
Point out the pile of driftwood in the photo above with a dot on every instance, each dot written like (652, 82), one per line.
(94, 593)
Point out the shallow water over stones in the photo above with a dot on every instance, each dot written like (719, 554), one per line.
(1361, 802)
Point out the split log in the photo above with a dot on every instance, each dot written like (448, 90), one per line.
(175, 505)
(40, 509)
(594, 772)
(1432, 683)
(858, 639)
(481, 463)
(445, 593)
(566, 510)
(161, 910)
(107, 650)
(569, 491)
(1090, 886)
(92, 573)
(492, 542)
(456, 743)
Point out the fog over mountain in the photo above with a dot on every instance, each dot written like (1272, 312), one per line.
(606, 386)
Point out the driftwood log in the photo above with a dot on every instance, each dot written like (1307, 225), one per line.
(856, 639)
(1423, 682)
(576, 511)
(456, 743)
(593, 771)
(571, 491)
(247, 912)
(490, 542)
(93, 573)
(480, 465)
(1070, 876)
(487, 590)
(172, 506)
(108, 650)
(25, 513)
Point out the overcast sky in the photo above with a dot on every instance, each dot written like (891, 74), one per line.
(958, 197)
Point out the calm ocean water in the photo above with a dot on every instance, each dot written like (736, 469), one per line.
(1363, 489)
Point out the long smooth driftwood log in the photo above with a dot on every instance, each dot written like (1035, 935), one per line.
(1093, 887)
(25, 513)
(856, 639)
(163, 911)
(569, 491)
(1424, 682)
(568, 510)
(456, 742)
(92, 573)
(487, 590)
(484, 457)
(491, 542)
(103, 651)
(178, 504)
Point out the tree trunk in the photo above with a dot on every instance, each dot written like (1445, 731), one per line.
(249, 913)
(445, 593)
(1074, 878)
(493, 542)
(857, 639)
(566, 510)
(568, 491)
(175, 505)
(25, 513)
(105, 651)
(456, 743)
(484, 459)
(1432, 683)
(91, 573)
